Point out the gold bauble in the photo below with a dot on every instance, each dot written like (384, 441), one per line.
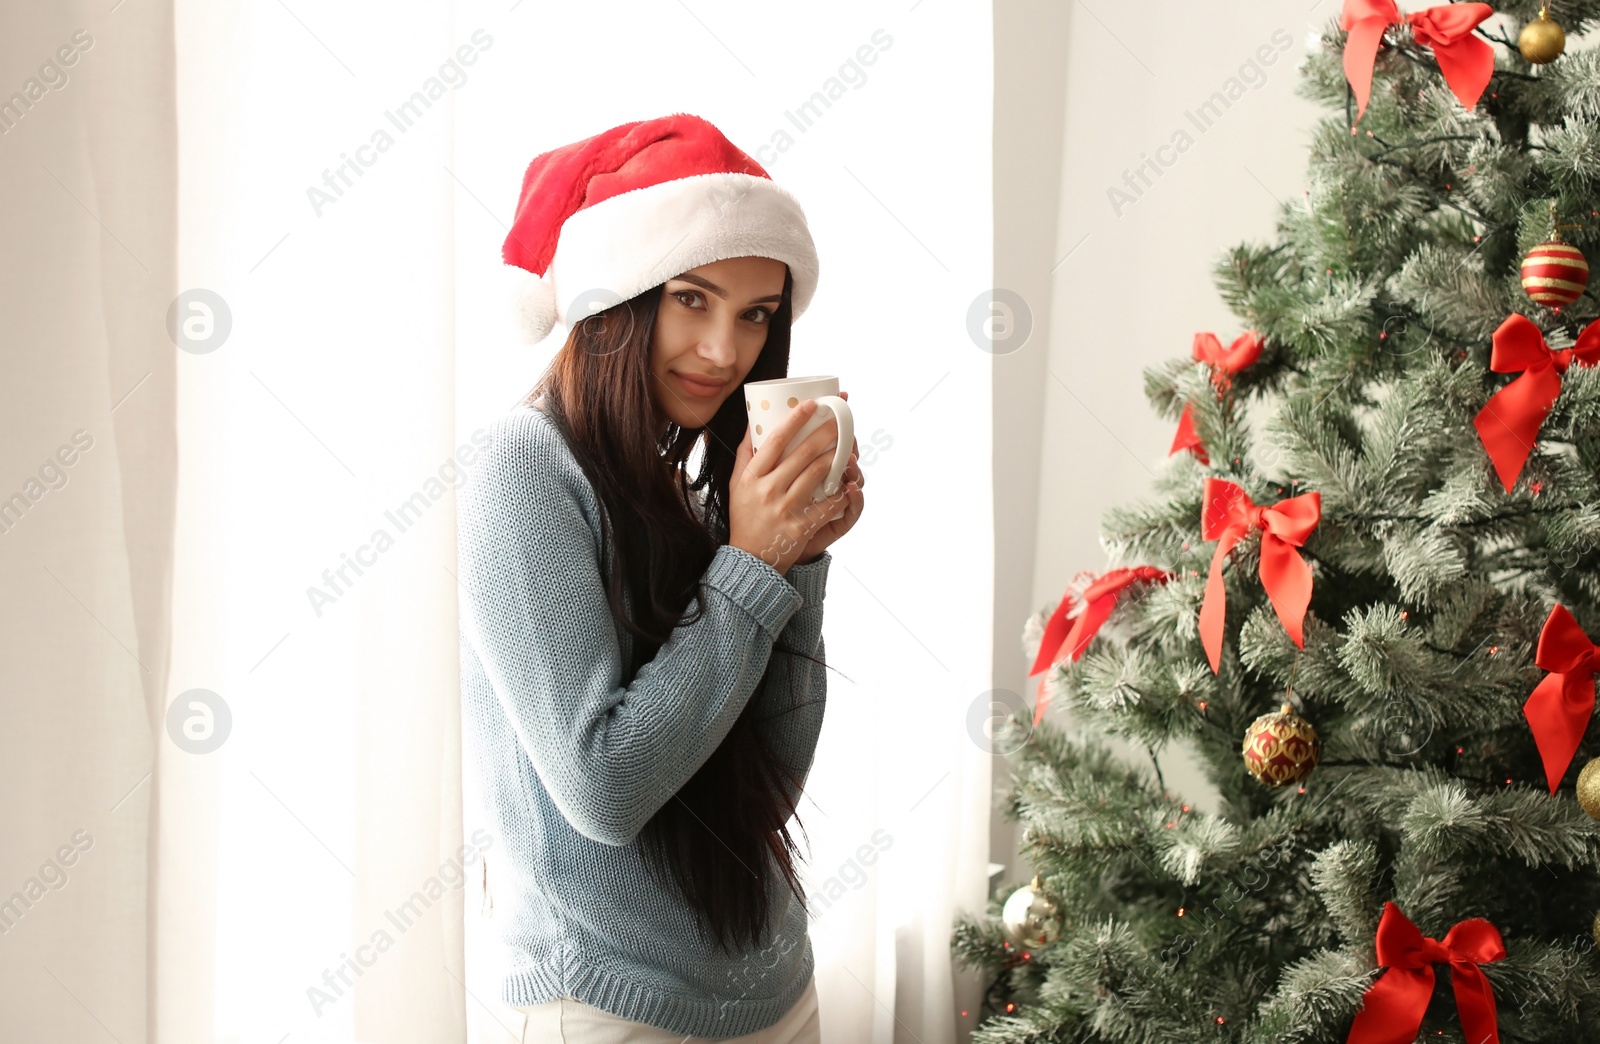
(1542, 40)
(1281, 748)
(1597, 927)
(1030, 918)
(1589, 788)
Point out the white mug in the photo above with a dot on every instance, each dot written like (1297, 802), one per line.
(767, 403)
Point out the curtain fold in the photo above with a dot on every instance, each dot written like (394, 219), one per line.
(87, 473)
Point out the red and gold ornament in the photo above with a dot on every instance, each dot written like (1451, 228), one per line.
(1281, 748)
(1555, 272)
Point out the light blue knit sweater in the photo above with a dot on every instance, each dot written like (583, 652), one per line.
(570, 765)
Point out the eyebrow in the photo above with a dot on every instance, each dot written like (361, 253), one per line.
(714, 288)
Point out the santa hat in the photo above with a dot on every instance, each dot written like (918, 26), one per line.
(608, 217)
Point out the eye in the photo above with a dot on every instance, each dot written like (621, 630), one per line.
(764, 313)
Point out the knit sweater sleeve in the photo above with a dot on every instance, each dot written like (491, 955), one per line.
(790, 703)
(536, 615)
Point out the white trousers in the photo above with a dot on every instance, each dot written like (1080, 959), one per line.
(566, 1020)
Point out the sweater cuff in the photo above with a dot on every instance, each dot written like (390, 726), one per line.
(811, 579)
(763, 591)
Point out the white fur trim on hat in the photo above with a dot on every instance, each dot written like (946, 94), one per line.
(624, 245)
(535, 298)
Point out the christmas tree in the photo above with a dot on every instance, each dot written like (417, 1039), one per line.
(1366, 590)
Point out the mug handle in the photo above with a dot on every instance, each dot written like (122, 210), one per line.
(841, 453)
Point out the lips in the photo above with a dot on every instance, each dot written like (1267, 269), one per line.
(701, 387)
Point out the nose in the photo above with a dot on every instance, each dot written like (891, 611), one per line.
(718, 348)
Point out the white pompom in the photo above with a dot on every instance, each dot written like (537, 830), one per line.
(535, 302)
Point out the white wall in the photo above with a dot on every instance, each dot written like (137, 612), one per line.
(1084, 93)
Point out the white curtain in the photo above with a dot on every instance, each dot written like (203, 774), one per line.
(87, 446)
(288, 854)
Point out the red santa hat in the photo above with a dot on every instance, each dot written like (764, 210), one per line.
(608, 217)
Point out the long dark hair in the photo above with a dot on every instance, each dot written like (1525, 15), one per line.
(719, 838)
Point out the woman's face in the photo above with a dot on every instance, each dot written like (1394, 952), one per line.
(711, 325)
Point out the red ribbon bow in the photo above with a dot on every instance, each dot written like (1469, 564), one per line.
(1187, 438)
(1560, 707)
(1392, 1010)
(1228, 515)
(1245, 349)
(1066, 642)
(1466, 61)
(1509, 422)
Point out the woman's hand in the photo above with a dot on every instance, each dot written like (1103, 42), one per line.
(770, 511)
(850, 501)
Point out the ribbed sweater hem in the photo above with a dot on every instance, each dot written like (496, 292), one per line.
(715, 1018)
(749, 581)
(811, 580)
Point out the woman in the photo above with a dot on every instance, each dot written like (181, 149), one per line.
(642, 671)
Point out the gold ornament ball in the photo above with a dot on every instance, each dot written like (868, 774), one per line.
(1281, 748)
(1597, 927)
(1030, 918)
(1589, 788)
(1542, 40)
